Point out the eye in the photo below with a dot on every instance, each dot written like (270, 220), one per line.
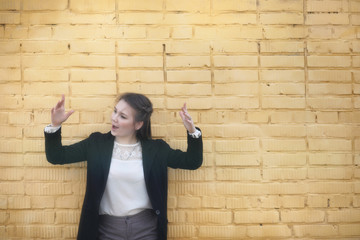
(123, 117)
(114, 110)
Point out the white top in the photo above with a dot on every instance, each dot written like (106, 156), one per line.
(125, 192)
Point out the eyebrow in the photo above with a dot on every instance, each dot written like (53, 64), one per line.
(120, 111)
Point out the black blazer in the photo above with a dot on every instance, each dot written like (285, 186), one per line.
(97, 151)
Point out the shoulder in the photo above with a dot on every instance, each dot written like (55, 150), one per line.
(98, 136)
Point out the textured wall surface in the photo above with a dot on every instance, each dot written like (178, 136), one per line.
(274, 85)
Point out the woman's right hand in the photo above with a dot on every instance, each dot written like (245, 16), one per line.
(58, 115)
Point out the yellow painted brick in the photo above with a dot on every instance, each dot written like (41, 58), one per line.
(283, 102)
(299, 216)
(189, 47)
(329, 61)
(284, 159)
(329, 131)
(327, 6)
(328, 46)
(237, 89)
(281, 46)
(349, 230)
(283, 88)
(282, 75)
(132, 32)
(189, 202)
(330, 187)
(280, 5)
(356, 201)
(46, 88)
(234, 159)
(61, 32)
(285, 202)
(235, 61)
(189, 76)
(91, 61)
(315, 230)
(93, 88)
(281, 18)
(139, 47)
(327, 117)
(227, 76)
(186, 32)
(285, 174)
(10, 89)
(40, 202)
(346, 215)
(11, 146)
(329, 103)
(39, 33)
(47, 189)
(243, 217)
(41, 75)
(349, 117)
(15, 32)
(10, 5)
(66, 217)
(237, 146)
(327, 18)
(355, 19)
(285, 32)
(284, 145)
(229, 232)
(268, 231)
(217, 217)
(329, 144)
(232, 130)
(235, 102)
(140, 61)
(158, 32)
(11, 160)
(340, 201)
(235, 18)
(97, 46)
(282, 61)
(35, 231)
(67, 202)
(330, 159)
(144, 88)
(188, 5)
(92, 75)
(181, 231)
(45, 61)
(10, 61)
(329, 76)
(245, 32)
(187, 61)
(92, 6)
(233, 5)
(258, 117)
(9, 74)
(9, 18)
(223, 174)
(140, 5)
(235, 47)
(41, 5)
(188, 89)
(317, 201)
(45, 46)
(19, 202)
(330, 173)
(9, 47)
(3, 203)
(213, 202)
(138, 18)
(11, 174)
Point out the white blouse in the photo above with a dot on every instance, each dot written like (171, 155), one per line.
(125, 192)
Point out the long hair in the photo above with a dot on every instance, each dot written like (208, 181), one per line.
(143, 108)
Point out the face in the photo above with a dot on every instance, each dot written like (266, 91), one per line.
(123, 121)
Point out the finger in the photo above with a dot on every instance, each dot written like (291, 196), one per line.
(68, 114)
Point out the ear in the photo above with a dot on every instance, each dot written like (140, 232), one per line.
(138, 125)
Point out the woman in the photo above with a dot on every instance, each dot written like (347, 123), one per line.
(126, 187)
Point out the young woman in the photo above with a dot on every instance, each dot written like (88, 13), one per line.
(127, 182)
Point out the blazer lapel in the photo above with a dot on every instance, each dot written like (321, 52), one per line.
(108, 150)
(148, 155)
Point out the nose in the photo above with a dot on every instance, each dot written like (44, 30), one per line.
(113, 117)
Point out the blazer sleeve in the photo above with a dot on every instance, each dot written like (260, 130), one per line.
(191, 159)
(56, 153)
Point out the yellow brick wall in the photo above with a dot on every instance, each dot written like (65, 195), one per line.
(274, 85)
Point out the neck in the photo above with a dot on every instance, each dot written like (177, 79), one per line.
(126, 140)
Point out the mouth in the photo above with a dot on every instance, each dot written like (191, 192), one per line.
(113, 127)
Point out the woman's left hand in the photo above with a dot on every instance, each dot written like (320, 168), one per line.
(187, 120)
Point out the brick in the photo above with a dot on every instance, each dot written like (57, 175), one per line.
(340, 201)
(34, 231)
(330, 173)
(232, 130)
(10, 5)
(11, 146)
(189, 202)
(236, 102)
(330, 187)
(218, 217)
(328, 46)
(188, 89)
(243, 217)
(235, 61)
(188, 6)
(91, 61)
(258, 117)
(329, 61)
(14, 188)
(329, 103)
(281, 46)
(242, 89)
(158, 32)
(246, 32)
(283, 102)
(136, 18)
(281, 18)
(284, 145)
(349, 230)
(42, 75)
(32, 5)
(227, 76)
(85, 75)
(19, 202)
(283, 88)
(67, 202)
(8, 74)
(307, 216)
(283, 159)
(181, 231)
(189, 47)
(189, 76)
(285, 32)
(330, 159)
(315, 230)
(140, 5)
(233, 5)
(92, 6)
(3, 203)
(187, 32)
(327, 6)
(268, 231)
(67, 217)
(231, 18)
(282, 61)
(237, 146)
(132, 32)
(10, 89)
(327, 117)
(327, 18)
(223, 174)
(11, 174)
(97, 46)
(187, 61)
(193, 18)
(46, 88)
(140, 61)
(41, 202)
(346, 215)
(9, 47)
(316, 201)
(329, 144)
(230, 232)
(15, 32)
(237, 160)
(11, 160)
(9, 61)
(62, 32)
(282, 75)
(328, 131)
(280, 5)
(213, 202)
(329, 76)
(285, 174)
(93, 88)
(45, 61)
(9, 18)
